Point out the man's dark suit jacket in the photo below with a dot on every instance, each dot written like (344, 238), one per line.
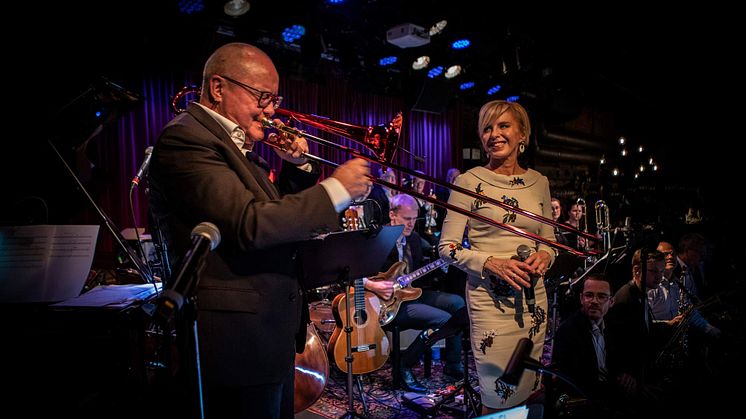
(249, 298)
(574, 355)
(414, 241)
(632, 344)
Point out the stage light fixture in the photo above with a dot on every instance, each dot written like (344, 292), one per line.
(421, 62)
(236, 8)
(453, 71)
(435, 72)
(494, 89)
(461, 44)
(438, 27)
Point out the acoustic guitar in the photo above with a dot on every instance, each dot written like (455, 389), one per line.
(370, 346)
(351, 220)
(403, 291)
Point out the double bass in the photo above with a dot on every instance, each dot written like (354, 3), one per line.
(311, 371)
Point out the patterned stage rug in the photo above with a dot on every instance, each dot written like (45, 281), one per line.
(382, 401)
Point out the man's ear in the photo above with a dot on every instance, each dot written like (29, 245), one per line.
(216, 89)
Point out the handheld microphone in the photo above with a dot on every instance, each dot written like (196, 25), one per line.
(205, 237)
(516, 365)
(143, 166)
(523, 253)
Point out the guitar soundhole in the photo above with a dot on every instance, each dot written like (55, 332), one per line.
(360, 317)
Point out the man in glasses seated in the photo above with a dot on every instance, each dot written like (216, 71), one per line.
(579, 349)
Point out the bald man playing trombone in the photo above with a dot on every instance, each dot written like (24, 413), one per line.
(249, 300)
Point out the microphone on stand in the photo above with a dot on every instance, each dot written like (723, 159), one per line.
(523, 253)
(205, 237)
(143, 167)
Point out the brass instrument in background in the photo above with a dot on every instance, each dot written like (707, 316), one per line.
(382, 140)
(603, 223)
(431, 216)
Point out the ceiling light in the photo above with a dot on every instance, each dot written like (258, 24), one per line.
(236, 8)
(435, 72)
(421, 62)
(293, 33)
(467, 85)
(460, 44)
(191, 6)
(387, 61)
(438, 27)
(494, 89)
(453, 71)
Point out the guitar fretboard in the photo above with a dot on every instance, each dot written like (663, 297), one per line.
(359, 297)
(405, 280)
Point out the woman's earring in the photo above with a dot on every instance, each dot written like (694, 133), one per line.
(521, 147)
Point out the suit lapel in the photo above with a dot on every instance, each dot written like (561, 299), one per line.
(257, 176)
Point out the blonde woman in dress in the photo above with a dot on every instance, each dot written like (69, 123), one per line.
(494, 291)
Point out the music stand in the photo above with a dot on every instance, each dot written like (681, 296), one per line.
(342, 257)
(362, 252)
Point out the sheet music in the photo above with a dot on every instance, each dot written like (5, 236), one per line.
(45, 263)
(112, 296)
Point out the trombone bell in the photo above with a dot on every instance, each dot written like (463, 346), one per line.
(382, 139)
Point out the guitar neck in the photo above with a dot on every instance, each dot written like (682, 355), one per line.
(359, 296)
(407, 279)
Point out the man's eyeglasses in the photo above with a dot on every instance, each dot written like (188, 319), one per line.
(600, 296)
(263, 98)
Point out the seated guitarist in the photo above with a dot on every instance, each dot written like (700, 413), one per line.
(430, 311)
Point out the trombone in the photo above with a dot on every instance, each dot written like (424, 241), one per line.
(382, 140)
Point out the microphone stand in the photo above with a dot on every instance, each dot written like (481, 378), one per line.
(142, 268)
(165, 313)
(351, 412)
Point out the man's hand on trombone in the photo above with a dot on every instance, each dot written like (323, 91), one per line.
(292, 147)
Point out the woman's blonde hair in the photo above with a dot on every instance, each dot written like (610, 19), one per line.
(492, 110)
